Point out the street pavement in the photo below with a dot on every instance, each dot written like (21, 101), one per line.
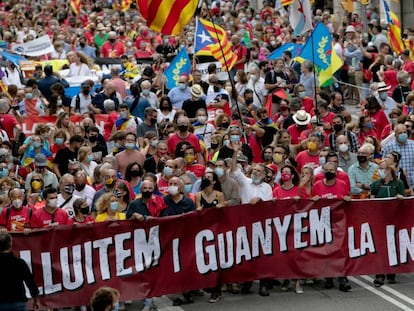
(364, 296)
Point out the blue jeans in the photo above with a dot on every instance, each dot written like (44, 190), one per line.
(13, 306)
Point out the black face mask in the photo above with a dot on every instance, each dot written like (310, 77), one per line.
(80, 187)
(330, 175)
(216, 89)
(69, 189)
(86, 127)
(85, 91)
(267, 157)
(225, 124)
(214, 146)
(82, 44)
(338, 127)
(183, 128)
(153, 121)
(146, 194)
(136, 173)
(265, 120)
(112, 40)
(362, 159)
(84, 210)
(93, 139)
(205, 182)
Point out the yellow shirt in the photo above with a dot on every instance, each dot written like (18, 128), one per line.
(104, 217)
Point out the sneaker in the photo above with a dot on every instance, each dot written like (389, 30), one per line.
(345, 288)
(285, 286)
(178, 302)
(299, 289)
(263, 291)
(188, 297)
(309, 282)
(214, 298)
(245, 290)
(391, 280)
(329, 284)
(197, 292)
(224, 288)
(379, 281)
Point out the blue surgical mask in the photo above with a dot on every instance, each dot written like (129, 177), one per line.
(129, 146)
(219, 171)
(59, 141)
(402, 138)
(89, 158)
(36, 144)
(368, 125)
(322, 161)
(114, 206)
(381, 173)
(234, 138)
(302, 94)
(168, 171)
(226, 142)
(29, 95)
(154, 143)
(4, 172)
(188, 188)
(145, 92)
(383, 96)
(181, 86)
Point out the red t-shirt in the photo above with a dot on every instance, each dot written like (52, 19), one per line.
(8, 123)
(308, 105)
(240, 51)
(295, 132)
(197, 169)
(88, 220)
(17, 220)
(283, 194)
(162, 185)
(304, 157)
(379, 121)
(112, 51)
(174, 139)
(328, 119)
(340, 175)
(43, 219)
(336, 191)
(361, 135)
(390, 78)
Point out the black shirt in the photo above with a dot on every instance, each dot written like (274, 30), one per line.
(186, 205)
(138, 206)
(62, 159)
(14, 271)
(191, 106)
(226, 152)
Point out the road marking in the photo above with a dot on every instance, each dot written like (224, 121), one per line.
(390, 290)
(375, 291)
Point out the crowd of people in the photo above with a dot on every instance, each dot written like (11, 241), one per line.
(208, 142)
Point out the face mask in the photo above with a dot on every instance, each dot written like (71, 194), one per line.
(256, 180)
(338, 127)
(368, 125)
(9, 166)
(329, 175)
(402, 138)
(69, 189)
(154, 143)
(408, 81)
(201, 119)
(52, 203)
(85, 92)
(114, 206)
(219, 171)
(343, 148)
(189, 159)
(312, 147)
(243, 20)
(277, 158)
(146, 194)
(302, 94)
(153, 121)
(381, 173)
(123, 114)
(110, 181)
(173, 190)
(322, 161)
(59, 102)
(225, 124)
(93, 139)
(17, 203)
(89, 158)
(188, 188)
(36, 185)
(168, 171)
(37, 144)
(59, 141)
(214, 146)
(383, 96)
(145, 92)
(267, 157)
(129, 146)
(4, 172)
(181, 86)
(362, 159)
(183, 128)
(226, 142)
(286, 176)
(112, 40)
(236, 79)
(253, 77)
(234, 138)
(29, 95)
(80, 187)
(257, 16)
(84, 210)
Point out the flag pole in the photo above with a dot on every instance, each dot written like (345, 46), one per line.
(233, 86)
(314, 78)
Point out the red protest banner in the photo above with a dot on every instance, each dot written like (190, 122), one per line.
(29, 123)
(280, 240)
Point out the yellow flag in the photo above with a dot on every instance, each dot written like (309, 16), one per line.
(336, 64)
(347, 5)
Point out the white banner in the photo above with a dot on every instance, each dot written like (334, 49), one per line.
(222, 75)
(36, 47)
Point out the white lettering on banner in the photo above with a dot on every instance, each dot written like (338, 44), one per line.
(73, 271)
(247, 246)
(406, 245)
(366, 241)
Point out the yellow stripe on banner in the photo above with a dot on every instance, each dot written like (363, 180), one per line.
(162, 15)
(185, 16)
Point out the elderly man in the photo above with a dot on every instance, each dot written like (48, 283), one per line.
(66, 197)
(180, 93)
(109, 92)
(16, 217)
(257, 84)
(149, 95)
(176, 202)
(112, 48)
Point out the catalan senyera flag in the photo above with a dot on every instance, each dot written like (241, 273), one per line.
(286, 2)
(167, 16)
(208, 38)
(122, 5)
(348, 5)
(394, 33)
(75, 5)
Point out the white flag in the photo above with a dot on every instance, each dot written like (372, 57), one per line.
(36, 47)
(300, 16)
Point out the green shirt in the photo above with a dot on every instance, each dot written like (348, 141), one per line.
(382, 190)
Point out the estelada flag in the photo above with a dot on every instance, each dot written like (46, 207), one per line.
(167, 16)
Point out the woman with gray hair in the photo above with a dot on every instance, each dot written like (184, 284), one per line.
(309, 79)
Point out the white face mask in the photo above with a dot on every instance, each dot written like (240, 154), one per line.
(52, 202)
(17, 203)
(253, 77)
(173, 190)
(343, 148)
(201, 119)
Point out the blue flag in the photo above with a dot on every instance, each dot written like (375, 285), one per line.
(294, 48)
(318, 47)
(180, 65)
(203, 37)
(13, 58)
